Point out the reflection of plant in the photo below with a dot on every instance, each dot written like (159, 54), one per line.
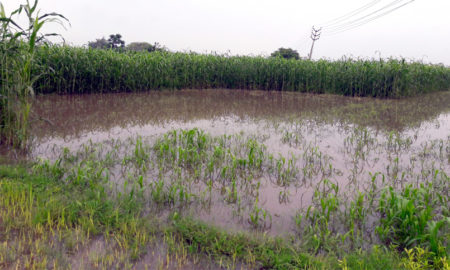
(17, 47)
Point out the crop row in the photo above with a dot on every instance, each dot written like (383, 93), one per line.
(80, 70)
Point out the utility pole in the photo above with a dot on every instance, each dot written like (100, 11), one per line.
(315, 35)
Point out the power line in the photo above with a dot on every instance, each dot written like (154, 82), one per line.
(349, 15)
(342, 23)
(368, 20)
(364, 20)
(375, 12)
(394, 5)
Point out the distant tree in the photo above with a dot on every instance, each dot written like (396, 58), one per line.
(144, 46)
(100, 43)
(138, 46)
(115, 41)
(287, 53)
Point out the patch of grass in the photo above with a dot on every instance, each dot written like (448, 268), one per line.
(262, 252)
(47, 222)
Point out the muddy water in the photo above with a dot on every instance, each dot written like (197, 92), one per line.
(74, 119)
(355, 136)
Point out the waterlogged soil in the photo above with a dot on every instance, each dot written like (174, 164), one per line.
(307, 140)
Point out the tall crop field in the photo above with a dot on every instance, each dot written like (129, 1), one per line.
(80, 70)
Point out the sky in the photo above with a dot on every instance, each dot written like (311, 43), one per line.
(417, 31)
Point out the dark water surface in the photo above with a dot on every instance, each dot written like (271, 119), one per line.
(76, 115)
(353, 137)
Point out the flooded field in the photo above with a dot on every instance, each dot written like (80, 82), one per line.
(249, 160)
(119, 157)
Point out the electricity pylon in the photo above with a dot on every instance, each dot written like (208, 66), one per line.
(315, 35)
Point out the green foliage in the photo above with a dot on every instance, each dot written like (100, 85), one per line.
(408, 218)
(104, 192)
(115, 41)
(144, 47)
(100, 43)
(373, 259)
(79, 70)
(17, 77)
(418, 258)
(317, 231)
(43, 201)
(286, 53)
(267, 253)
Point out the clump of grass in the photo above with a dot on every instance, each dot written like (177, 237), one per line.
(263, 252)
(72, 209)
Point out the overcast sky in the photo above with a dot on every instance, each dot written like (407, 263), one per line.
(420, 30)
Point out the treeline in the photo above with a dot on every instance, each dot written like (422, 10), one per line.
(115, 42)
(80, 70)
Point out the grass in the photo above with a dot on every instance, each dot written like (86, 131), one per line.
(125, 204)
(40, 233)
(80, 70)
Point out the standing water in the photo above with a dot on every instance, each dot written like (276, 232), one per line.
(247, 159)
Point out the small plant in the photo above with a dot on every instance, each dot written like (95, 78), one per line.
(316, 224)
(259, 218)
(418, 259)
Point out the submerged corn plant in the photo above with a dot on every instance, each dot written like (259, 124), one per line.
(17, 51)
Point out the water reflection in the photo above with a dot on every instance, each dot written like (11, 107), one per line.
(76, 115)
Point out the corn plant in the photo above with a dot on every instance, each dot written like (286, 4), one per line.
(408, 218)
(81, 70)
(17, 51)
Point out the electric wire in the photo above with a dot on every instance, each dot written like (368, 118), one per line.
(375, 12)
(361, 22)
(349, 15)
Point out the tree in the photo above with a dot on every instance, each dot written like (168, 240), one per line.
(100, 43)
(115, 41)
(144, 46)
(286, 53)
